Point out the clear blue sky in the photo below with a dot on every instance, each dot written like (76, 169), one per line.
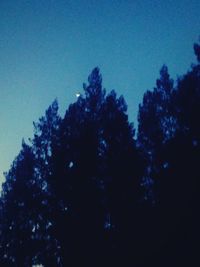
(48, 48)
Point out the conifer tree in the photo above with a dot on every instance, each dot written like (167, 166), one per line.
(156, 125)
(20, 218)
(74, 190)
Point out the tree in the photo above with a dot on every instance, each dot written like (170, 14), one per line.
(121, 170)
(173, 149)
(46, 145)
(96, 174)
(20, 215)
(183, 156)
(74, 190)
(27, 199)
(156, 125)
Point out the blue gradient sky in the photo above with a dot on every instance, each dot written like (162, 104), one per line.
(48, 48)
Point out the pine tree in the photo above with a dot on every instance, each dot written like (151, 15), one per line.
(156, 125)
(45, 145)
(72, 195)
(20, 214)
(121, 170)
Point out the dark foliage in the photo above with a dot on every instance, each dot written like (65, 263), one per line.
(84, 192)
(71, 195)
(168, 135)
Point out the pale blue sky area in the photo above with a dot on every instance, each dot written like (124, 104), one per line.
(48, 48)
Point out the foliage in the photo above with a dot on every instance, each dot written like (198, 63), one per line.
(76, 181)
(84, 190)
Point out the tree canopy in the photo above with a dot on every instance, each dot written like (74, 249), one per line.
(84, 191)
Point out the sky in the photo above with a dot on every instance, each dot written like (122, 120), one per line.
(49, 47)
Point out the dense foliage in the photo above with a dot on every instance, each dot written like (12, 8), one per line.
(85, 192)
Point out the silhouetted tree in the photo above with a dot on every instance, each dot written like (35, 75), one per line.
(179, 190)
(171, 147)
(101, 171)
(156, 125)
(72, 194)
(45, 146)
(86, 191)
(20, 218)
(121, 173)
(78, 176)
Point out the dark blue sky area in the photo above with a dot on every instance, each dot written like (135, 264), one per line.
(48, 48)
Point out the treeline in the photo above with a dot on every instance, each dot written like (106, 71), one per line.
(85, 192)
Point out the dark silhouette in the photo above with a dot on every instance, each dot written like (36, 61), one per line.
(84, 192)
(171, 150)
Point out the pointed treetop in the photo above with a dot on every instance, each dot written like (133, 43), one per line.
(94, 87)
(53, 108)
(95, 77)
(164, 82)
